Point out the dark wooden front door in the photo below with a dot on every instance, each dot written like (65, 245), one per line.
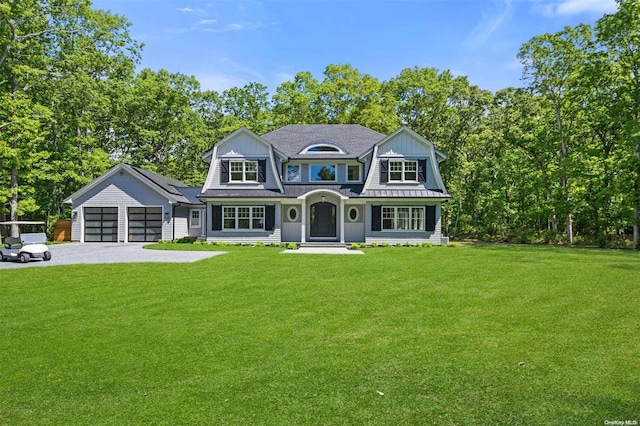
(323, 220)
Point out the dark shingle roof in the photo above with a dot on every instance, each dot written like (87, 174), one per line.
(191, 193)
(353, 139)
(166, 183)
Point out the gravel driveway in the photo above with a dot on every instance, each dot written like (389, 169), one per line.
(76, 253)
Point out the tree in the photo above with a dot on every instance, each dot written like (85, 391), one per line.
(619, 34)
(551, 68)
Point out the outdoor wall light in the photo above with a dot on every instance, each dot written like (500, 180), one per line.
(166, 215)
(322, 198)
(75, 214)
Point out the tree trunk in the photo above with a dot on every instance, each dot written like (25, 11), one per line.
(13, 201)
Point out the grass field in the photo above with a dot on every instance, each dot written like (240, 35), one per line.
(466, 335)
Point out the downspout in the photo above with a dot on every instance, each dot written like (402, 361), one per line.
(173, 221)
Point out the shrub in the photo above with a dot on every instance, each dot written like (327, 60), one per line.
(259, 244)
(363, 245)
(452, 245)
(407, 244)
(374, 245)
(385, 244)
(292, 246)
(355, 246)
(398, 245)
(427, 244)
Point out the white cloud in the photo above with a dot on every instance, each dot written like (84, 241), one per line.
(219, 81)
(190, 10)
(489, 23)
(240, 26)
(206, 21)
(574, 7)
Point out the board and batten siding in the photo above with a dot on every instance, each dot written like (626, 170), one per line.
(243, 147)
(394, 237)
(120, 190)
(429, 184)
(240, 236)
(354, 231)
(291, 230)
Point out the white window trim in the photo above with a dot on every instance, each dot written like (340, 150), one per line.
(244, 171)
(395, 218)
(403, 171)
(308, 150)
(359, 172)
(250, 228)
(191, 221)
(335, 171)
(349, 214)
(292, 208)
(299, 173)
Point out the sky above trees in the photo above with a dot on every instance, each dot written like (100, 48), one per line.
(228, 44)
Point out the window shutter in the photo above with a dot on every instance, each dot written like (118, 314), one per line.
(269, 218)
(384, 171)
(216, 218)
(262, 170)
(431, 218)
(376, 218)
(422, 170)
(224, 171)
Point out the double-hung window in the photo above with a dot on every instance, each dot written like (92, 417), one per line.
(243, 171)
(403, 171)
(195, 219)
(251, 218)
(402, 218)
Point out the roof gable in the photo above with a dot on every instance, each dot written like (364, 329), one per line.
(165, 186)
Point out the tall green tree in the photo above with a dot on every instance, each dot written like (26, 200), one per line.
(619, 34)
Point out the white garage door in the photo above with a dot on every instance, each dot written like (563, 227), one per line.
(145, 224)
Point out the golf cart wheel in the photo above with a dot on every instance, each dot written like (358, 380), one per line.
(24, 258)
(46, 255)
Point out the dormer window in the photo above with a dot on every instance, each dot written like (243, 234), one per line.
(243, 171)
(322, 148)
(403, 171)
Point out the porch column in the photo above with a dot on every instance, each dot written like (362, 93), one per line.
(303, 221)
(342, 220)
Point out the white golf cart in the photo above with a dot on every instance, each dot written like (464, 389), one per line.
(28, 245)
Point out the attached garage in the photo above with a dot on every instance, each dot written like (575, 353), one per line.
(145, 224)
(101, 224)
(129, 204)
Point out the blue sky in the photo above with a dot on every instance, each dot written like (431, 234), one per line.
(231, 43)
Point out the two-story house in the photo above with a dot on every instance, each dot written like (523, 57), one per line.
(327, 182)
(301, 183)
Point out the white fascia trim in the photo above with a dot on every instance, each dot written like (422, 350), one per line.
(117, 168)
(274, 169)
(328, 191)
(372, 167)
(212, 169)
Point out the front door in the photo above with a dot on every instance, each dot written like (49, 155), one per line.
(323, 220)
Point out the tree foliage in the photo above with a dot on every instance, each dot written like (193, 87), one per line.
(557, 160)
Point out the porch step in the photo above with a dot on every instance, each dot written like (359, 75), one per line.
(320, 244)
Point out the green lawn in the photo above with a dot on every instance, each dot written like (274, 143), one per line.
(466, 335)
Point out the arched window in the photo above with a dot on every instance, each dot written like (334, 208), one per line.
(322, 148)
